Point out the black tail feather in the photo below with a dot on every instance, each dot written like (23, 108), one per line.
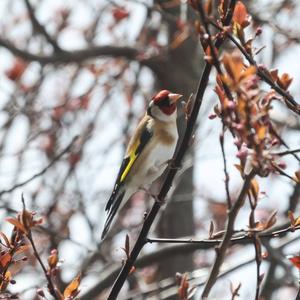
(113, 206)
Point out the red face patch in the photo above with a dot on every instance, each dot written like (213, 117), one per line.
(168, 110)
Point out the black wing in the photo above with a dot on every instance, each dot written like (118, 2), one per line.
(128, 162)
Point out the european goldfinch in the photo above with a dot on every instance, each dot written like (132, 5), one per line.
(148, 153)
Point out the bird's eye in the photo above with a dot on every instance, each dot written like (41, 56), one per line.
(164, 102)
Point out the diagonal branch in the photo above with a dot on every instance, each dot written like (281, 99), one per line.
(38, 27)
(290, 101)
(43, 171)
(221, 251)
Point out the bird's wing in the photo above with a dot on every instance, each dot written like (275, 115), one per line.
(136, 145)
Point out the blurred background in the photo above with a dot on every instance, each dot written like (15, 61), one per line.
(87, 69)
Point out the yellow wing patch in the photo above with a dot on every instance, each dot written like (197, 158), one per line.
(132, 157)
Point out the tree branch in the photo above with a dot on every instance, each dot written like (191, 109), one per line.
(221, 251)
(278, 231)
(75, 56)
(43, 171)
(290, 101)
(38, 27)
(180, 247)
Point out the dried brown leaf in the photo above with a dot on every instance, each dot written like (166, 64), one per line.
(188, 107)
(17, 224)
(72, 289)
(254, 188)
(271, 220)
(291, 217)
(297, 176)
(5, 238)
(297, 221)
(240, 15)
(284, 81)
(5, 259)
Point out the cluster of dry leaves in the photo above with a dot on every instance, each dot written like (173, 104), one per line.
(15, 250)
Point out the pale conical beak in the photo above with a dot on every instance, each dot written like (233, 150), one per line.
(174, 97)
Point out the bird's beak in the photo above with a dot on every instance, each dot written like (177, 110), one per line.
(174, 97)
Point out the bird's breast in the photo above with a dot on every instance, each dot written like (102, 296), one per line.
(155, 156)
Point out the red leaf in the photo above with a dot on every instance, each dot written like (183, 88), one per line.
(5, 259)
(58, 112)
(120, 13)
(295, 260)
(240, 15)
(48, 144)
(17, 70)
(74, 158)
(85, 101)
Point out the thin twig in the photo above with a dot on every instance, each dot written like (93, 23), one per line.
(167, 287)
(39, 27)
(227, 91)
(283, 153)
(257, 249)
(180, 247)
(238, 239)
(229, 202)
(44, 170)
(36, 254)
(220, 251)
(48, 277)
(256, 243)
(281, 140)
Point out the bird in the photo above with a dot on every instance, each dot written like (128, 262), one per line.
(148, 153)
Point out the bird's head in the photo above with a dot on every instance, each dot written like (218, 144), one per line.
(163, 105)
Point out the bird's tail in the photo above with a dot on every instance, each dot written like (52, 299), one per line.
(112, 207)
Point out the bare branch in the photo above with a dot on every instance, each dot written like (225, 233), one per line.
(75, 56)
(48, 277)
(53, 161)
(38, 27)
(180, 247)
(221, 251)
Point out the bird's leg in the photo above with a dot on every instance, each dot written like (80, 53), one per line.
(161, 202)
(154, 196)
(153, 170)
(171, 164)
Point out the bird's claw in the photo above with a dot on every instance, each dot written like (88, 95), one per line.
(155, 197)
(171, 164)
(159, 201)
